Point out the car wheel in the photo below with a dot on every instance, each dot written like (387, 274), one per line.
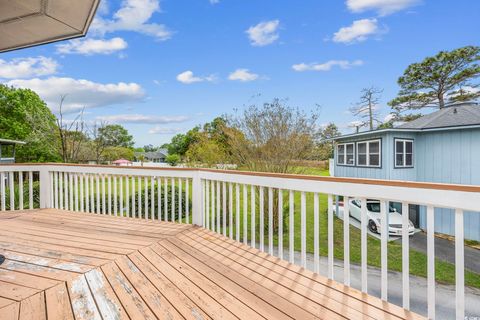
(372, 226)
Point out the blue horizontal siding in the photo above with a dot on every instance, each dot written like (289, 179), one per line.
(444, 157)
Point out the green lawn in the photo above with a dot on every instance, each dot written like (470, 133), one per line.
(444, 271)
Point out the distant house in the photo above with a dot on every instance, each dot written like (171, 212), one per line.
(154, 156)
(442, 147)
(7, 150)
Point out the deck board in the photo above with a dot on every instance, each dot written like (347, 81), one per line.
(66, 265)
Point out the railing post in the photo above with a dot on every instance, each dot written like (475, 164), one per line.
(197, 200)
(45, 188)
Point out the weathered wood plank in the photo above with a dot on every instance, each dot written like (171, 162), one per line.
(10, 311)
(83, 304)
(160, 306)
(107, 302)
(135, 307)
(33, 307)
(247, 296)
(15, 292)
(347, 307)
(195, 287)
(182, 303)
(27, 280)
(41, 271)
(55, 254)
(45, 262)
(57, 303)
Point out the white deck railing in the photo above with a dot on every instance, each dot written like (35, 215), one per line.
(244, 206)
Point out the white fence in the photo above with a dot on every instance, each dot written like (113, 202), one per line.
(257, 209)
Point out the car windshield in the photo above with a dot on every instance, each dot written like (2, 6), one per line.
(375, 207)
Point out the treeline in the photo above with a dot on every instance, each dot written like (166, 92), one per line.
(49, 138)
(269, 137)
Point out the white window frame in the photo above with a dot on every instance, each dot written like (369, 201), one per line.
(345, 154)
(404, 141)
(368, 165)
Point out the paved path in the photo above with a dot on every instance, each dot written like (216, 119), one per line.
(445, 250)
(445, 294)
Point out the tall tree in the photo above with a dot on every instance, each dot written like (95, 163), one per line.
(116, 135)
(436, 80)
(366, 108)
(272, 136)
(24, 116)
(325, 147)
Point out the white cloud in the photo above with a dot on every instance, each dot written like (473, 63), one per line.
(243, 75)
(81, 93)
(383, 7)
(133, 15)
(143, 119)
(27, 67)
(326, 66)
(359, 31)
(92, 46)
(214, 1)
(187, 77)
(163, 130)
(264, 33)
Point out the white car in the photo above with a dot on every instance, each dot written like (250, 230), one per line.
(373, 216)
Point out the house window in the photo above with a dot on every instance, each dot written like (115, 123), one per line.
(346, 154)
(403, 153)
(368, 153)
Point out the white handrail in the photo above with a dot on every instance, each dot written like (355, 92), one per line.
(249, 207)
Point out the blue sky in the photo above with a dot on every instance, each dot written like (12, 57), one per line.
(161, 67)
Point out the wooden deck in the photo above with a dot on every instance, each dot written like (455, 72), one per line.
(64, 265)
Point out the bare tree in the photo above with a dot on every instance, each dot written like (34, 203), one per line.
(269, 138)
(97, 139)
(72, 134)
(365, 109)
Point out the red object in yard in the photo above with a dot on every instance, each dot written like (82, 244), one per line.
(122, 162)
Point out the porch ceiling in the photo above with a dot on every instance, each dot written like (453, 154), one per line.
(26, 23)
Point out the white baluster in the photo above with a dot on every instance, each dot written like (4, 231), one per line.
(431, 261)
(237, 212)
(405, 257)
(173, 200)
(346, 241)
(280, 223)
(20, 190)
(459, 266)
(30, 190)
(252, 216)
(187, 200)
(316, 234)
(363, 243)
(291, 226)
(230, 207)
(330, 236)
(262, 219)
(145, 187)
(270, 221)
(384, 208)
(152, 198)
(139, 204)
(98, 194)
(245, 214)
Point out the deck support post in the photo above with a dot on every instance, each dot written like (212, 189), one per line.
(197, 200)
(45, 188)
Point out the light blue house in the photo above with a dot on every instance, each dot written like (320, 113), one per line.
(443, 147)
